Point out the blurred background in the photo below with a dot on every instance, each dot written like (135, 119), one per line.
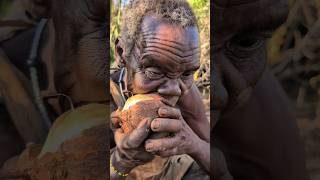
(4, 6)
(294, 57)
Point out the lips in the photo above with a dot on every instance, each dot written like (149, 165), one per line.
(170, 100)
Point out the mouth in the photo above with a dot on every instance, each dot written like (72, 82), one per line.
(168, 100)
(171, 101)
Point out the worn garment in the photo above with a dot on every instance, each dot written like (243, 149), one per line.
(175, 168)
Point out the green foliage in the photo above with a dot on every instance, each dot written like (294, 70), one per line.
(199, 4)
(115, 25)
(4, 4)
(201, 9)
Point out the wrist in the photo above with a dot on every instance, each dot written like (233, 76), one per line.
(195, 147)
(201, 154)
(120, 165)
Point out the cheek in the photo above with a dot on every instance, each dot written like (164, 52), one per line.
(254, 68)
(240, 76)
(91, 58)
(141, 84)
(241, 73)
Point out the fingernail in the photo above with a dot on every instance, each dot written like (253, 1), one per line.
(163, 111)
(156, 124)
(148, 146)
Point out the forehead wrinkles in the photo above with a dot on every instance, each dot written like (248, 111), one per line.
(174, 50)
(172, 47)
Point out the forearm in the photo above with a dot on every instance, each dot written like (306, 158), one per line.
(201, 155)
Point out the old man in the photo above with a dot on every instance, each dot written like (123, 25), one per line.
(158, 52)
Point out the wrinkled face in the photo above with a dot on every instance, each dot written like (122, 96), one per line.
(166, 59)
(80, 49)
(240, 30)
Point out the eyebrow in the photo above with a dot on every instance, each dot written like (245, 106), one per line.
(154, 61)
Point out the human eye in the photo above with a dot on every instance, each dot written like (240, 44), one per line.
(244, 46)
(188, 74)
(153, 73)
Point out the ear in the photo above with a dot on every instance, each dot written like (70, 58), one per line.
(120, 52)
(37, 9)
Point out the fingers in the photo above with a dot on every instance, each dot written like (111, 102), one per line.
(115, 119)
(169, 152)
(119, 135)
(138, 135)
(163, 144)
(169, 112)
(166, 125)
(163, 147)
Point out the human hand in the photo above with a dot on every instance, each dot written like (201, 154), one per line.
(130, 151)
(182, 139)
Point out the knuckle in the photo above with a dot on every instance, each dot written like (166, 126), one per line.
(171, 141)
(165, 124)
(132, 143)
(175, 112)
(178, 112)
(179, 125)
(140, 131)
(175, 151)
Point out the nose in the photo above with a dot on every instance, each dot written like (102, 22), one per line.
(170, 90)
(220, 96)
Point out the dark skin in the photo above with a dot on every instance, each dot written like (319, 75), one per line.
(254, 133)
(82, 52)
(72, 53)
(164, 64)
(72, 50)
